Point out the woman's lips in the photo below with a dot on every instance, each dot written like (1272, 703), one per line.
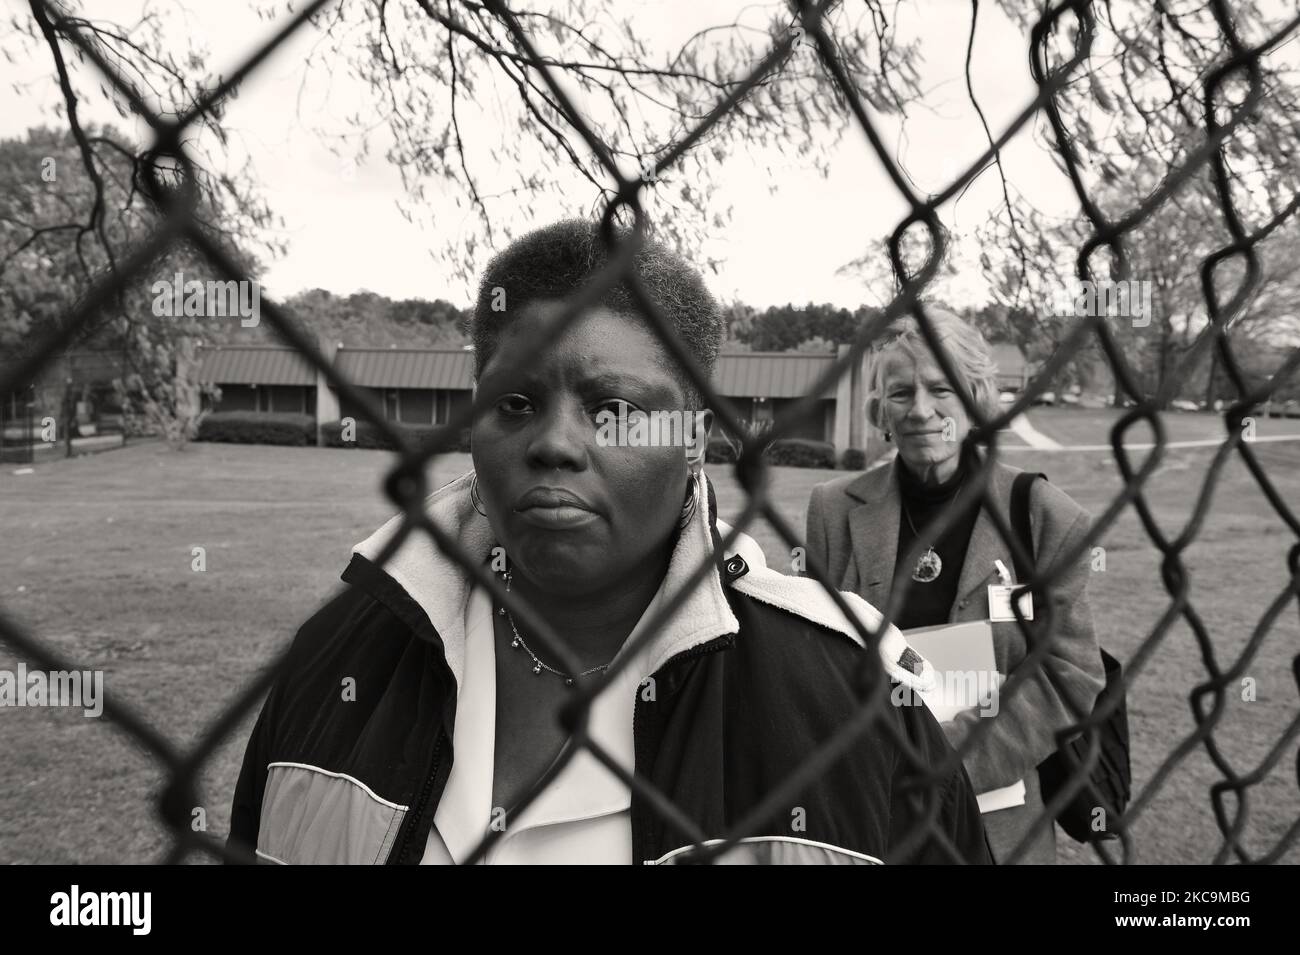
(552, 507)
(557, 516)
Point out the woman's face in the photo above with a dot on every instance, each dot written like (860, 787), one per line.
(573, 514)
(924, 413)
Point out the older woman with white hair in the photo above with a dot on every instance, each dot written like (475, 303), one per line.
(861, 529)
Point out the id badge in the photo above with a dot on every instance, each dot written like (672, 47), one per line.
(1000, 610)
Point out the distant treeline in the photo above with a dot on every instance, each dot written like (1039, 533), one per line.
(370, 319)
(364, 319)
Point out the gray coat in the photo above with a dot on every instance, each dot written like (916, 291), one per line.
(853, 532)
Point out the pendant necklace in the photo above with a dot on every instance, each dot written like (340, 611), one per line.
(538, 666)
(930, 565)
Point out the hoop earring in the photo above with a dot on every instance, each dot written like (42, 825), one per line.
(689, 507)
(474, 497)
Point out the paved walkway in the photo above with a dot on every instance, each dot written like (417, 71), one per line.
(1147, 446)
(1032, 436)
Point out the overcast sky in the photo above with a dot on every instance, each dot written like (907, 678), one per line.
(344, 231)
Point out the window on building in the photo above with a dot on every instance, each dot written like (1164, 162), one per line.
(349, 409)
(14, 406)
(238, 398)
(816, 426)
(417, 405)
(286, 398)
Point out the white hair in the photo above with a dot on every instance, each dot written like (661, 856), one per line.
(964, 344)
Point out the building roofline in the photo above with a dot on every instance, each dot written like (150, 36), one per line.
(466, 351)
(406, 348)
(250, 347)
(776, 354)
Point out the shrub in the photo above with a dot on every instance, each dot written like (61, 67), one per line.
(413, 436)
(854, 459)
(800, 453)
(251, 427)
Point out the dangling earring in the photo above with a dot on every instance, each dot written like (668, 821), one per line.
(889, 436)
(507, 575)
(474, 496)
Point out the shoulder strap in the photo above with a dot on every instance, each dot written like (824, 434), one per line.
(1020, 526)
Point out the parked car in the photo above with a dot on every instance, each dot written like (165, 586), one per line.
(1007, 397)
(1184, 404)
(1046, 398)
(1069, 399)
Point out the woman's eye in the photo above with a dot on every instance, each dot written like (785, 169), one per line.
(617, 408)
(514, 405)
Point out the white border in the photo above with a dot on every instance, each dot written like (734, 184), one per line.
(352, 779)
(751, 839)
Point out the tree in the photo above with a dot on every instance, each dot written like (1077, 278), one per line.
(1134, 118)
(76, 202)
(431, 63)
(608, 99)
(437, 64)
(789, 327)
(1166, 251)
(61, 228)
(369, 319)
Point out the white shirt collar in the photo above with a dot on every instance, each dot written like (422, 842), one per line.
(442, 587)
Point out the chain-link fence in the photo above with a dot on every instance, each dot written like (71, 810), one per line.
(406, 484)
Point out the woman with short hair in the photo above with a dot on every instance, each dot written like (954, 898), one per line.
(862, 527)
(455, 705)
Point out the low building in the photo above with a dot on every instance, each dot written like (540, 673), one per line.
(73, 386)
(412, 385)
(267, 378)
(1014, 370)
(764, 385)
(431, 385)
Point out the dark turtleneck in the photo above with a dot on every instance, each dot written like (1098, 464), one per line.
(927, 604)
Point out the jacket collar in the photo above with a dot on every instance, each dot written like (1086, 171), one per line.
(441, 587)
(873, 529)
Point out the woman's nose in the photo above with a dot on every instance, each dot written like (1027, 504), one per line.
(559, 442)
(922, 406)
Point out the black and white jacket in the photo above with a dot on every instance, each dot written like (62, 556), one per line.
(753, 674)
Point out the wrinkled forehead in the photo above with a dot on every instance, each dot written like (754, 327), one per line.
(902, 365)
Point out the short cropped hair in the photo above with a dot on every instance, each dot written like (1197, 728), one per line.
(552, 263)
(964, 344)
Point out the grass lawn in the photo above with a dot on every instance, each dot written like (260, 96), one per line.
(97, 561)
(1085, 426)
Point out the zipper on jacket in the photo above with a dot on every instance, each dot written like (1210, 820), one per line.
(414, 818)
(639, 740)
